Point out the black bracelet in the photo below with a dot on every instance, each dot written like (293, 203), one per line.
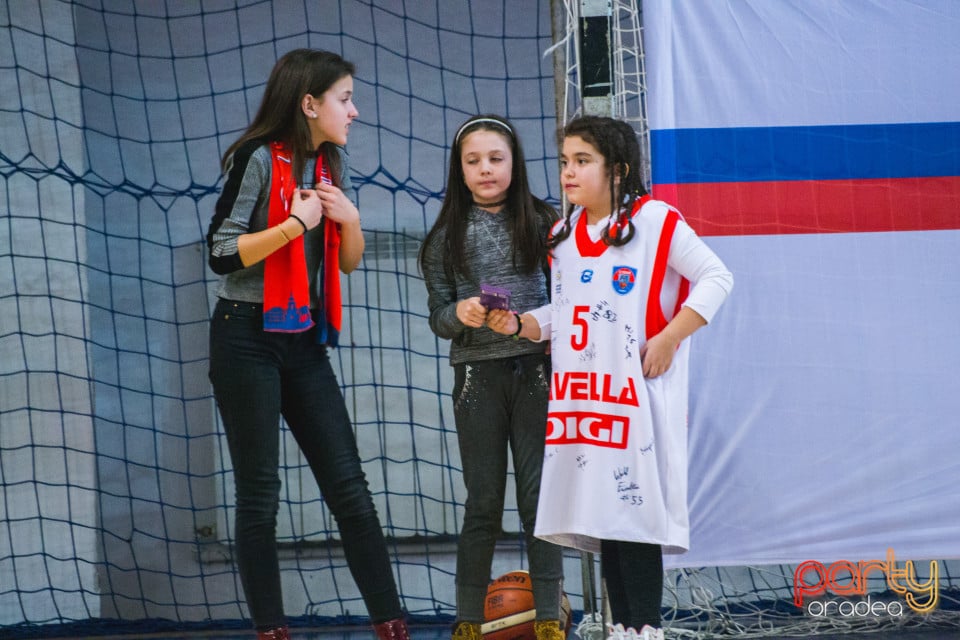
(300, 221)
(516, 334)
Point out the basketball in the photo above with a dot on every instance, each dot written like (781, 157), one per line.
(509, 610)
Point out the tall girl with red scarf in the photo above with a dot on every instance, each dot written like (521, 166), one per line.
(283, 230)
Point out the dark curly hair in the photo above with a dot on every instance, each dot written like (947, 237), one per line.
(616, 141)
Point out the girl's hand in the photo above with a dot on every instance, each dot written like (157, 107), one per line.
(502, 321)
(657, 354)
(307, 206)
(336, 205)
(471, 313)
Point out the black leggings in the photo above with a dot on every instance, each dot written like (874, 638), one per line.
(633, 572)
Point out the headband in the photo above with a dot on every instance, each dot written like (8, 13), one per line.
(470, 123)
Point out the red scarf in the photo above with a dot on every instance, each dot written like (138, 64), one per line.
(286, 288)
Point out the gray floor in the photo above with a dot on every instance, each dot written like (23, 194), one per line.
(896, 634)
(442, 632)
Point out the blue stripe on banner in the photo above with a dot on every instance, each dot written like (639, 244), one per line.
(834, 152)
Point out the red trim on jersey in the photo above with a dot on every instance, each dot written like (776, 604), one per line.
(684, 289)
(590, 249)
(587, 247)
(622, 220)
(656, 320)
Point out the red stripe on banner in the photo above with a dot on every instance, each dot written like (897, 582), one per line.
(816, 206)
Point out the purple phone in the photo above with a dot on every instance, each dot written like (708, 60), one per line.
(494, 297)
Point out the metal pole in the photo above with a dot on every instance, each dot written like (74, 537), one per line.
(596, 93)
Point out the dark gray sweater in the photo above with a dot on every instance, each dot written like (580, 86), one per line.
(489, 254)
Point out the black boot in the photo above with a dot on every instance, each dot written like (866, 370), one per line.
(280, 633)
(395, 629)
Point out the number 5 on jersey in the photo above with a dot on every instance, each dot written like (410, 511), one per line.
(579, 339)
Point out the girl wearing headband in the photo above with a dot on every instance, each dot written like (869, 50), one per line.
(487, 249)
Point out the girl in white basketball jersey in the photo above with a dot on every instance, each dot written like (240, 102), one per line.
(630, 281)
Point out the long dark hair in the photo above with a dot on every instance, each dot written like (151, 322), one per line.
(530, 216)
(616, 141)
(280, 117)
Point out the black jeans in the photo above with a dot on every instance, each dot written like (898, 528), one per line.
(633, 572)
(499, 404)
(257, 376)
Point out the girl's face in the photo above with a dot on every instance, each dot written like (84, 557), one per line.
(585, 177)
(335, 111)
(487, 164)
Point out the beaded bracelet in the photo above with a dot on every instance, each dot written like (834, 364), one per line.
(297, 218)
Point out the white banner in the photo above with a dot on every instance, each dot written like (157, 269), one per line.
(825, 396)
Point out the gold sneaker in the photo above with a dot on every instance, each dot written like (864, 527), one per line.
(548, 630)
(467, 631)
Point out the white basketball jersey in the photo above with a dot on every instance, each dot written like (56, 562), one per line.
(615, 464)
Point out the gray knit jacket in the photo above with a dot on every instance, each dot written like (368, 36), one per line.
(489, 254)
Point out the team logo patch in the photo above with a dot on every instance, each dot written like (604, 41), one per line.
(623, 279)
